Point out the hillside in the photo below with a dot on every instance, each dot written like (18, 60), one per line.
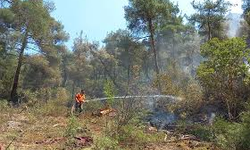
(47, 127)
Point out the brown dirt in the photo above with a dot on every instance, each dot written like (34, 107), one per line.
(29, 132)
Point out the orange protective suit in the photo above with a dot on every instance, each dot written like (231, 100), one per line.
(80, 98)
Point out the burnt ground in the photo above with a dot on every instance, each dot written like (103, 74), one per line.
(29, 131)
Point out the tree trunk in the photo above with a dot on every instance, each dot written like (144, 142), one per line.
(73, 91)
(128, 78)
(229, 110)
(209, 31)
(65, 75)
(231, 99)
(14, 95)
(173, 52)
(128, 70)
(152, 41)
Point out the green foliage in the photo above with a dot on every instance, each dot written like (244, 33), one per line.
(233, 135)
(29, 97)
(136, 136)
(148, 17)
(191, 102)
(3, 104)
(224, 73)
(210, 18)
(205, 133)
(228, 135)
(128, 53)
(245, 135)
(105, 143)
(47, 102)
(72, 127)
(53, 108)
(246, 11)
(109, 91)
(29, 24)
(40, 74)
(140, 12)
(7, 70)
(169, 86)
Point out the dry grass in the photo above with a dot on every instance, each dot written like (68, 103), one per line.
(41, 127)
(31, 128)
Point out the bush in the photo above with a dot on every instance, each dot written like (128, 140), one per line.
(44, 94)
(55, 106)
(29, 97)
(3, 104)
(72, 127)
(105, 143)
(136, 136)
(245, 136)
(62, 95)
(204, 133)
(227, 134)
(109, 92)
(92, 106)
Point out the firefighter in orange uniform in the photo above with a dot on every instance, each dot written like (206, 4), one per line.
(79, 100)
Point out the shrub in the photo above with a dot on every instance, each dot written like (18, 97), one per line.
(136, 136)
(29, 97)
(72, 127)
(245, 136)
(204, 133)
(92, 106)
(105, 143)
(55, 106)
(227, 134)
(62, 95)
(3, 104)
(44, 94)
(109, 92)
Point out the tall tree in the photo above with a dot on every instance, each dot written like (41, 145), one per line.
(126, 50)
(147, 17)
(33, 28)
(210, 18)
(168, 40)
(246, 10)
(245, 25)
(78, 68)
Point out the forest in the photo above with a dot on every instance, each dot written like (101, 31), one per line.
(168, 81)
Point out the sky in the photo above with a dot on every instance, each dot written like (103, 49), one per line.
(96, 18)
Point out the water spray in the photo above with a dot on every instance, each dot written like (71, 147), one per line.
(171, 97)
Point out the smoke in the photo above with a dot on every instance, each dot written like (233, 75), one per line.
(211, 118)
(233, 22)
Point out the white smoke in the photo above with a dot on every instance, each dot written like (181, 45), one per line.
(234, 20)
